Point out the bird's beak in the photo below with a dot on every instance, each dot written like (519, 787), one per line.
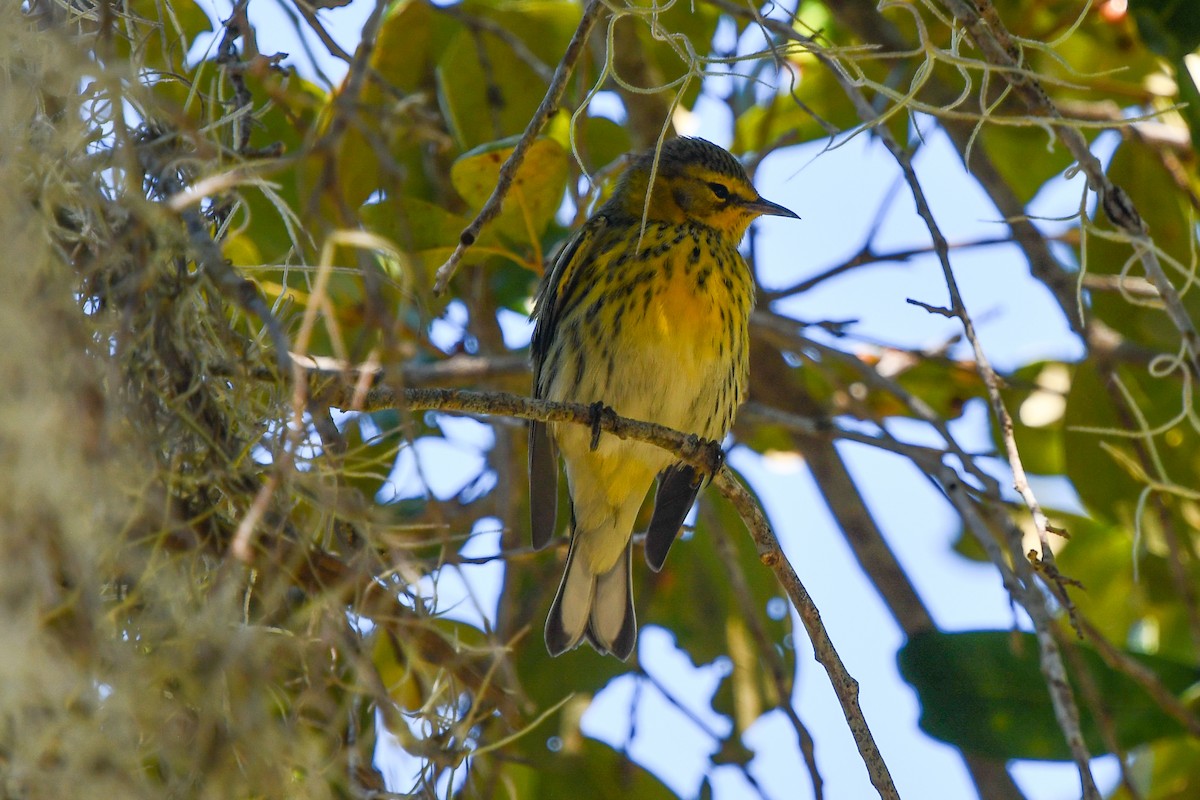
(769, 209)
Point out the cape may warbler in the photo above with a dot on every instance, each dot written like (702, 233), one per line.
(645, 311)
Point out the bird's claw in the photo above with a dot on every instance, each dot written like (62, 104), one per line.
(715, 455)
(709, 451)
(598, 413)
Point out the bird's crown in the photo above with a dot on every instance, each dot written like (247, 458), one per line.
(690, 180)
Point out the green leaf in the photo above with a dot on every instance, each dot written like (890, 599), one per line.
(585, 770)
(1112, 471)
(387, 142)
(1104, 486)
(536, 191)
(270, 208)
(1166, 770)
(1170, 28)
(601, 142)
(412, 36)
(982, 691)
(425, 231)
(157, 34)
(795, 113)
(487, 89)
(1146, 610)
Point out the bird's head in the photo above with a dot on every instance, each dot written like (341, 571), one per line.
(695, 181)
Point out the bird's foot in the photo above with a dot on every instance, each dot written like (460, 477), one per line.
(598, 412)
(707, 450)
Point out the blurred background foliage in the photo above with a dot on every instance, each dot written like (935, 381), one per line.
(211, 585)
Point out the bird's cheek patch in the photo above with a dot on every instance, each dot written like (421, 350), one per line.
(682, 198)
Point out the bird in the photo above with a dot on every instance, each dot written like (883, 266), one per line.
(645, 311)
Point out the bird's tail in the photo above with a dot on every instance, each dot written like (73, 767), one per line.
(599, 607)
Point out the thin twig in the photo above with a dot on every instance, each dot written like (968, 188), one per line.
(867, 256)
(844, 686)
(773, 661)
(695, 719)
(549, 104)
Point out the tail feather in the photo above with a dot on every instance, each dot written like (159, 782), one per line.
(599, 607)
(612, 625)
(568, 616)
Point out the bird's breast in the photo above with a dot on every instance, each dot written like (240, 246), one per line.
(681, 340)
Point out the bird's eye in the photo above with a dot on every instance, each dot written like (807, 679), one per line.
(720, 190)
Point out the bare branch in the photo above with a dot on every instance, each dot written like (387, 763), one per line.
(844, 686)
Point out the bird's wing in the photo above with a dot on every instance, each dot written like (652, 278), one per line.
(558, 288)
(677, 488)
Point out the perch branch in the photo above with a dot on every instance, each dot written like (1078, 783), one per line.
(844, 685)
(689, 449)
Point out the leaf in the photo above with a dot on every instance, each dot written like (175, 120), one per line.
(388, 138)
(269, 206)
(427, 233)
(601, 142)
(795, 113)
(585, 770)
(487, 89)
(1026, 158)
(1103, 485)
(156, 34)
(1168, 770)
(536, 191)
(1170, 28)
(1102, 557)
(411, 37)
(1111, 471)
(982, 691)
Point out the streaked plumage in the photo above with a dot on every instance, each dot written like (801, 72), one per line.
(652, 322)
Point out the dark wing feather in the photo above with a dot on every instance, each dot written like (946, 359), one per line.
(677, 488)
(554, 294)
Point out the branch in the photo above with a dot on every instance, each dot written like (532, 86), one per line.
(691, 450)
(771, 656)
(997, 46)
(868, 257)
(844, 685)
(549, 104)
(1065, 708)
